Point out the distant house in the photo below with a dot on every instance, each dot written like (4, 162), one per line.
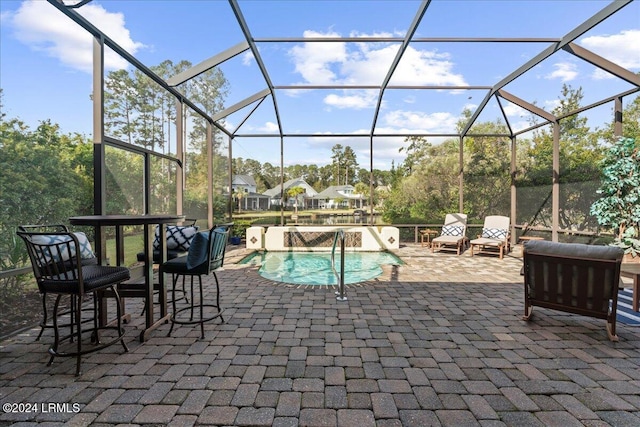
(244, 182)
(339, 196)
(250, 199)
(274, 194)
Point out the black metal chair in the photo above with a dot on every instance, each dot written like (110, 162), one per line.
(206, 255)
(44, 323)
(177, 238)
(57, 261)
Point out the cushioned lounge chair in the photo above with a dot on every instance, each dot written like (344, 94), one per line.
(453, 235)
(495, 235)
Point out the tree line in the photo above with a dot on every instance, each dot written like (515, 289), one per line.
(425, 186)
(47, 176)
(343, 170)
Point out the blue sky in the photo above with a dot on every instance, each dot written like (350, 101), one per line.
(45, 63)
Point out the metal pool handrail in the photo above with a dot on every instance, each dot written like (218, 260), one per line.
(338, 236)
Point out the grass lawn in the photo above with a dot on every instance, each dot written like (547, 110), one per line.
(132, 245)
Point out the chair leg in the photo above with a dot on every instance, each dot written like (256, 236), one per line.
(72, 313)
(43, 323)
(215, 276)
(45, 317)
(78, 319)
(174, 280)
(95, 337)
(192, 299)
(56, 334)
(95, 329)
(196, 306)
(119, 315)
(201, 307)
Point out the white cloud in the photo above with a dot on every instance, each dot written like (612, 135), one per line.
(469, 106)
(565, 71)
(418, 121)
(518, 117)
(357, 100)
(600, 74)
(622, 48)
(269, 127)
(422, 67)
(513, 110)
(40, 26)
(409, 99)
(552, 104)
(248, 58)
(314, 60)
(366, 63)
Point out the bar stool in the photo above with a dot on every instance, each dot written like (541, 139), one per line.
(57, 261)
(206, 255)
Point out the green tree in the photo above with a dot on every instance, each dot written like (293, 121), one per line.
(140, 112)
(120, 105)
(326, 177)
(270, 175)
(46, 178)
(294, 192)
(580, 153)
(349, 164)
(430, 191)
(619, 204)
(486, 163)
(630, 122)
(363, 190)
(337, 158)
(240, 194)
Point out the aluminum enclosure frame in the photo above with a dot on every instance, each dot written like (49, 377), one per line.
(495, 91)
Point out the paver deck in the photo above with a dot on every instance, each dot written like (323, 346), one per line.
(437, 341)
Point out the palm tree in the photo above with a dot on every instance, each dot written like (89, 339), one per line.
(361, 189)
(295, 192)
(240, 193)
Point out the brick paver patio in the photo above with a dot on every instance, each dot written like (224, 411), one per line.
(438, 341)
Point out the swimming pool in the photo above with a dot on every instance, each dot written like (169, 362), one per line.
(304, 268)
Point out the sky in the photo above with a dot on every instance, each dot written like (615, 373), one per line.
(45, 64)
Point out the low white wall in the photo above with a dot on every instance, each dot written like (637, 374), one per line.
(255, 238)
(314, 238)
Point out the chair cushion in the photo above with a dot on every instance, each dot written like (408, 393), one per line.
(448, 240)
(452, 230)
(577, 250)
(494, 233)
(199, 250)
(178, 237)
(175, 266)
(86, 252)
(94, 277)
(171, 254)
(485, 241)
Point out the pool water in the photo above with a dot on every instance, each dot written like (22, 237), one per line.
(314, 268)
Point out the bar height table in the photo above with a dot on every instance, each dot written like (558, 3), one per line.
(145, 290)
